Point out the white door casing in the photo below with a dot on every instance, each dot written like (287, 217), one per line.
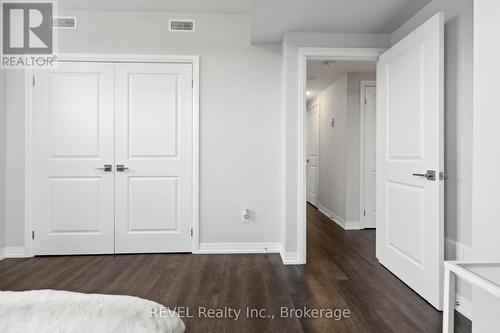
(410, 227)
(154, 141)
(73, 138)
(313, 155)
(369, 167)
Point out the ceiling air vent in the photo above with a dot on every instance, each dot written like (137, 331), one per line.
(64, 22)
(181, 25)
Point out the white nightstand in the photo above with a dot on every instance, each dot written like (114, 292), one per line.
(482, 275)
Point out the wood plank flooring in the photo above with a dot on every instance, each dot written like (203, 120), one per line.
(342, 273)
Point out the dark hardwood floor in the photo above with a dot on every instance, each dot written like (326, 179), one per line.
(342, 273)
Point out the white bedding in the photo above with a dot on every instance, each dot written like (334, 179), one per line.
(51, 311)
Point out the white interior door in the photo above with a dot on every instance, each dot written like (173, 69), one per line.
(410, 142)
(154, 144)
(73, 139)
(312, 170)
(370, 161)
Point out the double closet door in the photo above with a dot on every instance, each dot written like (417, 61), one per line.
(112, 158)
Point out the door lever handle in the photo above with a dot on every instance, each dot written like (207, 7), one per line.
(430, 175)
(106, 168)
(121, 168)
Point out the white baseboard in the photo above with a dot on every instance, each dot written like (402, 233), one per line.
(12, 252)
(461, 252)
(289, 258)
(352, 225)
(312, 200)
(332, 216)
(235, 248)
(346, 225)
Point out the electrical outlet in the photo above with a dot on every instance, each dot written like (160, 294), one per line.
(245, 216)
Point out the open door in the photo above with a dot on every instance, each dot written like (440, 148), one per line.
(410, 159)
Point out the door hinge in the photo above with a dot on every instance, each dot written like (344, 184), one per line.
(191, 232)
(365, 100)
(33, 81)
(32, 234)
(192, 83)
(364, 213)
(443, 175)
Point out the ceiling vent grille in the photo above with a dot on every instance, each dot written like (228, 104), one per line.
(64, 22)
(181, 25)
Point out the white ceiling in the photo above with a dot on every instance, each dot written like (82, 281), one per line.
(178, 6)
(272, 18)
(320, 77)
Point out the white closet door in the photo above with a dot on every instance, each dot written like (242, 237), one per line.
(73, 138)
(154, 144)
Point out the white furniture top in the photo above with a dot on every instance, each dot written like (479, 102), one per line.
(490, 272)
(484, 275)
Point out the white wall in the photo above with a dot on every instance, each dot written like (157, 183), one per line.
(332, 149)
(289, 117)
(14, 168)
(486, 160)
(2, 159)
(239, 114)
(458, 111)
(486, 190)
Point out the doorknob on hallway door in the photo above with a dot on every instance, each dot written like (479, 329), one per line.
(106, 168)
(121, 168)
(430, 175)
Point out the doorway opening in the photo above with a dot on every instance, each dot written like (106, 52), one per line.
(326, 66)
(340, 148)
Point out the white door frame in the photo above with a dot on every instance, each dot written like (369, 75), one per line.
(362, 188)
(113, 58)
(316, 53)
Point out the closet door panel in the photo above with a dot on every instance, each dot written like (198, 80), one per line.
(154, 146)
(73, 197)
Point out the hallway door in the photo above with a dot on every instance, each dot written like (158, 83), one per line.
(313, 155)
(410, 159)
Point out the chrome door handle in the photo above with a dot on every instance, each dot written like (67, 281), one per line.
(430, 175)
(106, 168)
(121, 168)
